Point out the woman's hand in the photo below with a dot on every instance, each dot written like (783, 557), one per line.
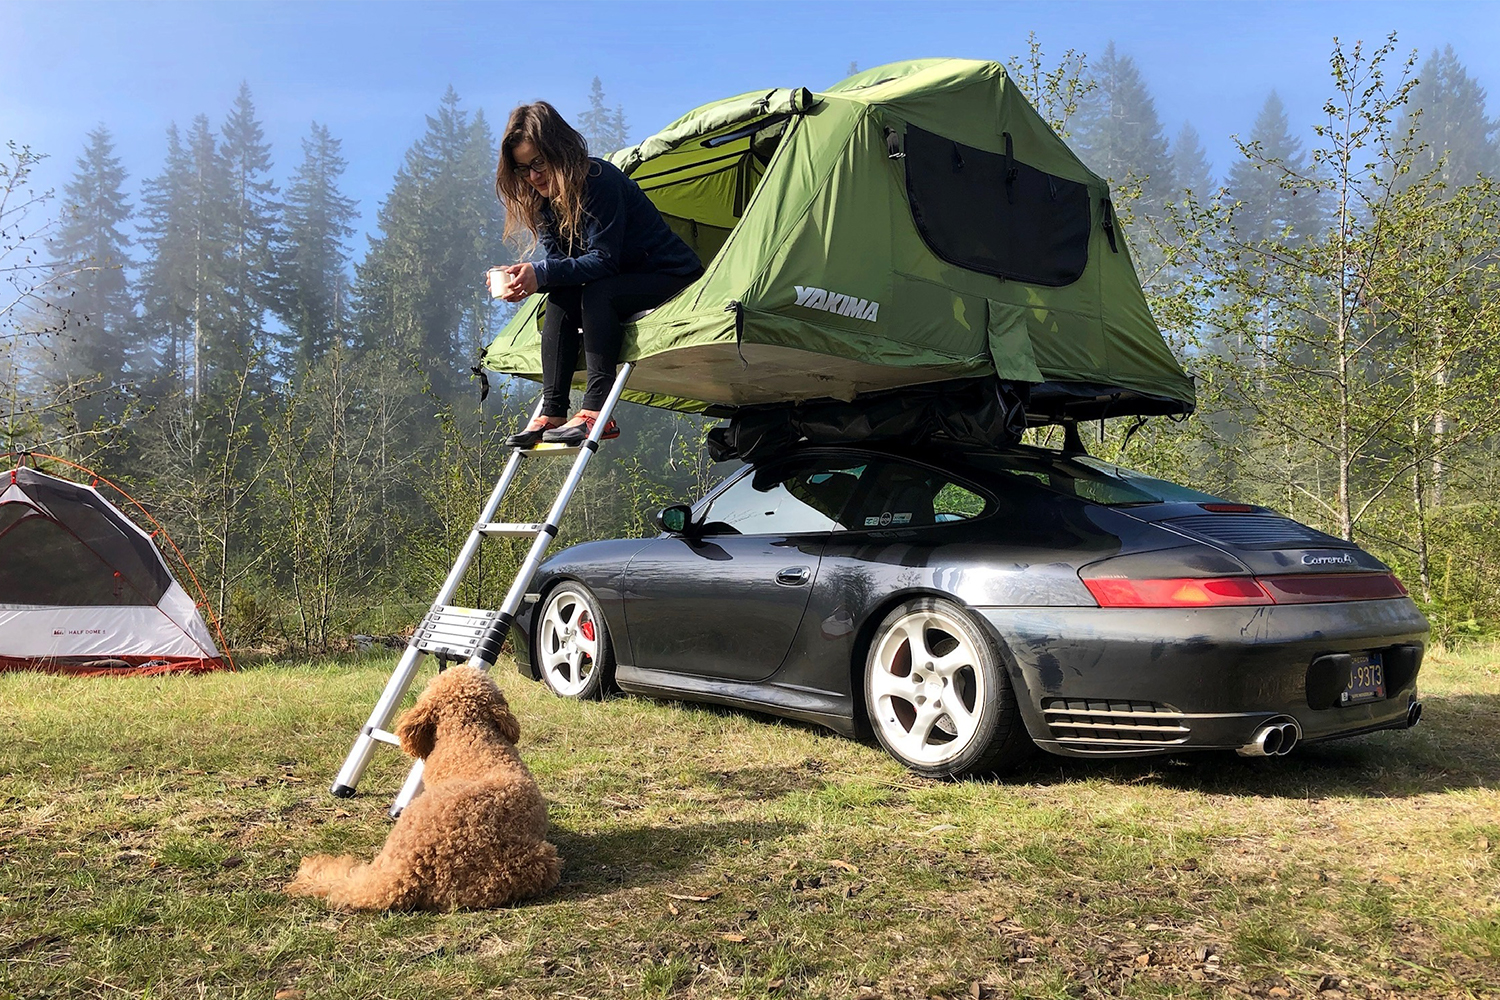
(511, 282)
(523, 279)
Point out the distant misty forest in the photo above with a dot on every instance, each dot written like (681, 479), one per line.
(296, 406)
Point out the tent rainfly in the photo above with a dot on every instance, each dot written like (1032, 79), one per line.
(83, 590)
(916, 223)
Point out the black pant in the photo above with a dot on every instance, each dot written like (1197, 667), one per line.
(594, 312)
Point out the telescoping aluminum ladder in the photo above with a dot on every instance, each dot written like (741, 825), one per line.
(473, 635)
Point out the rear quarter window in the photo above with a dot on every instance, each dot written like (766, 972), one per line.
(896, 494)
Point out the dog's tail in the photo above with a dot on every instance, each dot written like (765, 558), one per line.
(321, 874)
(534, 871)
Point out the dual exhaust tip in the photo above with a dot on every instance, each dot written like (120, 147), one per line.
(1273, 739)
(1277, 737)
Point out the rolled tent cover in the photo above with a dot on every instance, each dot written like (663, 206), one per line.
(918, 222)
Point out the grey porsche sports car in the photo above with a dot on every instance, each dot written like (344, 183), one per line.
(966, 604)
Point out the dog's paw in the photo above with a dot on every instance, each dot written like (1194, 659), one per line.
(320, 874)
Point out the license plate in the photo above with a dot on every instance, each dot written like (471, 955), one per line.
(1366, 680)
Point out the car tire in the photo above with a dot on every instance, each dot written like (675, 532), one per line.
(572, 649)
(937, 693)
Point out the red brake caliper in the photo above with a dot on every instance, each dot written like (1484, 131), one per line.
(587, 628)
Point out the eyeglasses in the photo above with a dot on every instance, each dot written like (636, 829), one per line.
(536, 166)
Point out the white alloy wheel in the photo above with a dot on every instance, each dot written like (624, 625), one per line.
(572, 649)
(937, 696)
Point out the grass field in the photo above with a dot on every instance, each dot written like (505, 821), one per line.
(146, 827)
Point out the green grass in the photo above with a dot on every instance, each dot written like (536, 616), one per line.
(147, 826)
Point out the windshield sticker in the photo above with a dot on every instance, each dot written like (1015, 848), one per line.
(901, 519)
(872, 522)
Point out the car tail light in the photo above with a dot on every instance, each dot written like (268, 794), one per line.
(1229, 591)
(1185, 592)
(1318, 589)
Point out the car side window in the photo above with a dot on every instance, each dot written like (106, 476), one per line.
(896, 494)
(783, 501)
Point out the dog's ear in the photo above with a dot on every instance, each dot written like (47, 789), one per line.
(505, 719)
(417, 728)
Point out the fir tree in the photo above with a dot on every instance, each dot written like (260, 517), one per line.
(92, 252)
(1120, 136)
(251, 221)
(1271, 206)
(184, 292)
(314, 301)
(419, 289)
(1190, 167)
(1447, 112)
(167, 273)
(604, 130)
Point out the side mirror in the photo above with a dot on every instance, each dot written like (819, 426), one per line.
(674, 520)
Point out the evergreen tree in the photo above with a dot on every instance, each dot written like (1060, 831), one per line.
(1190, 167)
(484, 223)
(604, 130)
(251, 220)
(184, 292)
(419, 290)
(1448, 113)
(92, 254)
(1272, 204)
(1120, 136)
(167, 273)
(314, 300)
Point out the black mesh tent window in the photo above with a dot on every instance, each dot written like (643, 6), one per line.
(991, 213)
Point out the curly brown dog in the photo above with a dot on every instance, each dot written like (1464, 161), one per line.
(473, 838)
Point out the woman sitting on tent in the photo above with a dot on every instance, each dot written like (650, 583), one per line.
(609, 254)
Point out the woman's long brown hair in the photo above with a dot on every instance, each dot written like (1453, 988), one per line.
(567, 157)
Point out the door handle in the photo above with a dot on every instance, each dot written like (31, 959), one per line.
(793, 576)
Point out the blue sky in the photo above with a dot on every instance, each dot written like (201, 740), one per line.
(371, 71)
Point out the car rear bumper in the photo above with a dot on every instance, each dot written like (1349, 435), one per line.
(1126, 682)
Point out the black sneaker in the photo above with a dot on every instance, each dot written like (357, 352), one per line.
(572, 434)
(526, 438)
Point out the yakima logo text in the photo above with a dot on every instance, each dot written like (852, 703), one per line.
(836, 303)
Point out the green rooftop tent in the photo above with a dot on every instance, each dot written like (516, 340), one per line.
(916, 223)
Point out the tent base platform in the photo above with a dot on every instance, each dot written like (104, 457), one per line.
(110, 666)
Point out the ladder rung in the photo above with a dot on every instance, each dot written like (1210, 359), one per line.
(383, 736)
(516, 530)
(548, 450)
(453, 631)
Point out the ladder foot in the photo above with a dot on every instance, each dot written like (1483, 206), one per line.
(343, 791)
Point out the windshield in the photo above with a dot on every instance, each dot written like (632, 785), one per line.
(1089, 478)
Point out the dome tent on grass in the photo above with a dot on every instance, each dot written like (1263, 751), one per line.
(916, 223)
(84, 590)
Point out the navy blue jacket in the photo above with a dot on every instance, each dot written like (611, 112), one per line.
(623, 234)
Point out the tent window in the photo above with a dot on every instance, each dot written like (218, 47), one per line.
(991, 213)
(702, 189)
(10, 513)
(45, 564)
